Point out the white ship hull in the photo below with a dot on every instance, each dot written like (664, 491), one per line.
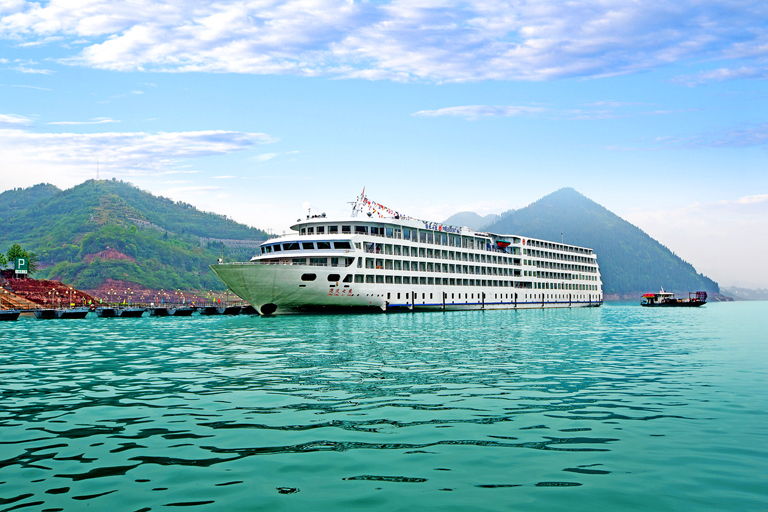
(280, 289)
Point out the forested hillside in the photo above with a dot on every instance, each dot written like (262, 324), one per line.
(631, 262)
(112, 230)
(13, 202)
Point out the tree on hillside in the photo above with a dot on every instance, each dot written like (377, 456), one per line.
(3, 261)
(17, 252)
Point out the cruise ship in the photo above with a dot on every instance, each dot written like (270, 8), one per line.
(380, 260)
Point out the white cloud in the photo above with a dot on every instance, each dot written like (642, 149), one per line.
(14, 120)
(223, 177)
(721, 75)
(95, 120)
(68, 158)
(478, 111)
(439, 40)
(29, 87)
(265, 156)
(33, 71)
(753, 199)
(473, 112)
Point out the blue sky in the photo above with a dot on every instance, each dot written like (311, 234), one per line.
(259, 110)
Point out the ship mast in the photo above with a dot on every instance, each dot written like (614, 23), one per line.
(357, 205)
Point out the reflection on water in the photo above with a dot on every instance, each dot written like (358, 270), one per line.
(478, 410)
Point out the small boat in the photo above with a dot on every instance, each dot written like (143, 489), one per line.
(45, 314)
(9, 314)
(130, 312)
(503, 244)
(220, 310)
(667, 299)
(72, 313)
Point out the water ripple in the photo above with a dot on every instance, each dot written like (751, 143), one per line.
(339, 411)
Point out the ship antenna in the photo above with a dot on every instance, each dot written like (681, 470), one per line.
(357, 205)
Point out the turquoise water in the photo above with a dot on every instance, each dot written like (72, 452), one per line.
(616, 408)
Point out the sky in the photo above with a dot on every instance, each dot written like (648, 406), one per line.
(261, 110)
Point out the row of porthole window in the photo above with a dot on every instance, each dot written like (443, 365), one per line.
(370, 279)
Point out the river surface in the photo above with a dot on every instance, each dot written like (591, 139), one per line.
(612, 408)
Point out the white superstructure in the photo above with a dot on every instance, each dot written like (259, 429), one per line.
(388, 261)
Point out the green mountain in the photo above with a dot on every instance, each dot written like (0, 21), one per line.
(631, 262)
(103, 230)
(13, 202)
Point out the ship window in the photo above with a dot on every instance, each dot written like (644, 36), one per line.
(388, 279)
(368, 279)
(398, 280)
(303, 231)
(339, 245)
(318, 262)
(359, 278)
(406, 234)
(348, 278)
(333, 229)
(308, 277)
(406, 280)
(323, 245)
(320, 230)
(310, 231)
(267, 249)
(307, 245)
(388, 232)
(293, 246)
(334, 277)
(377, 231)
(276, 248)
(361, 230)
(346, 229)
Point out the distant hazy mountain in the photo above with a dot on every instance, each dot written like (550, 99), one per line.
(631, 262)
(470, 220)
(745, 293)
(103, 230)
